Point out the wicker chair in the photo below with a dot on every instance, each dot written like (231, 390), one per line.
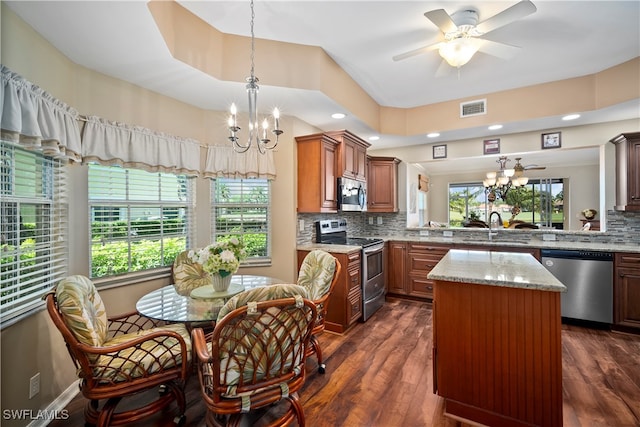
(119, 356)
(256, 355)
(319, 274)
(188, 275)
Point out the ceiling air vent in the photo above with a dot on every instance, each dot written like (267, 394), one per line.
(473, 108)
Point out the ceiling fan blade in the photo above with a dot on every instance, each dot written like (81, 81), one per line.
(507, 16)
(534, 167)
(442, 20)
(415, 52)
(500, 50)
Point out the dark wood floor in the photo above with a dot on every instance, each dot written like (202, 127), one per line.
(379, 375)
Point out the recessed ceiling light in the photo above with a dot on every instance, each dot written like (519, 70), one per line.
(495, 127)
(571, 117)
(374, 138)
(433, 135)
(338, 115)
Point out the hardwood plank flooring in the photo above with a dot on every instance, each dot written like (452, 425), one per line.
(379, 375)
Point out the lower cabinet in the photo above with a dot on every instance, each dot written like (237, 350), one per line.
(409, 264)
(626, 305)
(345, 304)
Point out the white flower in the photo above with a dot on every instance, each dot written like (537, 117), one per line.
(222, 257)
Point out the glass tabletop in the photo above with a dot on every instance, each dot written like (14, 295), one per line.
(166, 304)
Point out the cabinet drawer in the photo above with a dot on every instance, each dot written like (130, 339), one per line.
(439, 251)
(422, 262)
(354, 260)
(353, 278)
(354, 306)
(632, 259)
(420, 286)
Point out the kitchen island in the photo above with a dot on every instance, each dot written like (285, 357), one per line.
(497, 356)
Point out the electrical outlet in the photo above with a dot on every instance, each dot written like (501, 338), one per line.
(370, 220)
(447, 233)
(379, 220)
(34, 385)
(548, 237)
(424, 233)
(301, 225)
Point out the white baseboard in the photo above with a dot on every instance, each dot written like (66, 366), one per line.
(56, 407)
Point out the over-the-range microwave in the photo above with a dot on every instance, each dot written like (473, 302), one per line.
(352, 195)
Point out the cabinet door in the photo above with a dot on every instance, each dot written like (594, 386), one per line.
(382, 194)
(627, 303)
(360, 163)
(397, 268)
(350, 164)
(634, 173)
(330, 183)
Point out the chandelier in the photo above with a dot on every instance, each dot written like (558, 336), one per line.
(498, 183)
(257, 135)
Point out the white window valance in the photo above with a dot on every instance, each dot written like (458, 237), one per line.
(35, 120)
(224, 162)
(113, 143)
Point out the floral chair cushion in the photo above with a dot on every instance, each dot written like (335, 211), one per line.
(263, 293)
(188, 275)
(261, 346)
(82, 310)
(141, 360)
(316, 273)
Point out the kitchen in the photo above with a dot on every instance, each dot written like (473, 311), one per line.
(72, 82)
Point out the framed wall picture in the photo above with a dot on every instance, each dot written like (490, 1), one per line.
(439, 151)
(491, 146)
(551, 140)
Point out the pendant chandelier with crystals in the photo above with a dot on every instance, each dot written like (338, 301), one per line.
(257, 134)
(498, 183)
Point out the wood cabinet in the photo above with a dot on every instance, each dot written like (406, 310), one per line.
(317, 181)
(627, 171)
(382, 184)
(409, 264)
(351, 156)
(626, 305)
(396, 267)
(345, 304)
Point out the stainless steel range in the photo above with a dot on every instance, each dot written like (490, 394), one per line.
(334, 231)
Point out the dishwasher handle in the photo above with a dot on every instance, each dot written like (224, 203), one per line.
(571, 254)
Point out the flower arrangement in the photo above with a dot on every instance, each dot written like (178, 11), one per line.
(222, 258)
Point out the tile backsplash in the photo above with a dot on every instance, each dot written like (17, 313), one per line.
(622, 228)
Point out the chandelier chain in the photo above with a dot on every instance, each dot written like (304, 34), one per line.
(253, 42)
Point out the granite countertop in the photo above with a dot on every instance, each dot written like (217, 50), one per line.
(336, 249)
(507, 269)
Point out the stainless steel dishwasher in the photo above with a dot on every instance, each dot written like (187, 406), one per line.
(588, 277)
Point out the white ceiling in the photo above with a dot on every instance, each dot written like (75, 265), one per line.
(562, 39)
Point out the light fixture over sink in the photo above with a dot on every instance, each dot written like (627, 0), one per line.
(498, 183)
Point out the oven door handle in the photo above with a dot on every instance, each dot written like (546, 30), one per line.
(373, 248)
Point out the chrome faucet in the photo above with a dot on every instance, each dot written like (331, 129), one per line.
(491, 234)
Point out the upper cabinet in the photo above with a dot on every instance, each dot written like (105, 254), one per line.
(382, 184)
(351, 156)
(317, 185)
(628, 171)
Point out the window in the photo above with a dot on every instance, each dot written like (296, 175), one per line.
(139, 220)
(539, 202)
(242, 208)
(466, 202)
(33, 228)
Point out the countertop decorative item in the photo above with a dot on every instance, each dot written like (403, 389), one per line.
(589, 213)
(220, 260)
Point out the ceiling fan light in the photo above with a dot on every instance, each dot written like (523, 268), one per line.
(458, 52)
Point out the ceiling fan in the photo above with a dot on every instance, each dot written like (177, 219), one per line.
(519, 168)
(463, 34)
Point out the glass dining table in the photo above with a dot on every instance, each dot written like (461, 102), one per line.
(166, 304)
